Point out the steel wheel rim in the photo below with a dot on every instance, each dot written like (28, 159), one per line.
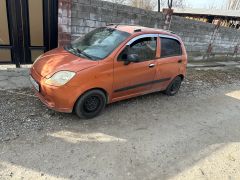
(91, 104)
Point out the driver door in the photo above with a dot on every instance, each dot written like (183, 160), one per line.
(136, 77)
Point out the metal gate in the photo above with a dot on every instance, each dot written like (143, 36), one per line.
(27, 29)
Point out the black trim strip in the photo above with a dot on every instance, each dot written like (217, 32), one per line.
(14, 32)
(46, 18)
(37, 47)
(142, 84)
(26, 32)
(6, 46)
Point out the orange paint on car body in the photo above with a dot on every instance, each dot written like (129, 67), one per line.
(118, 79)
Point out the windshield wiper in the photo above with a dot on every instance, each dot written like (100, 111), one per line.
(83, 53)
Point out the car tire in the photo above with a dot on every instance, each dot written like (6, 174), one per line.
(174, 86)
(90, 104)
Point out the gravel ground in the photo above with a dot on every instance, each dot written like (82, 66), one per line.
(148, 137)
(22, 112)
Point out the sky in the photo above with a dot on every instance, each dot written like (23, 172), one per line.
(206, 3)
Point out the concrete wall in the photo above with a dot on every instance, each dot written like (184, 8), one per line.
(89, 14)
(64, 21)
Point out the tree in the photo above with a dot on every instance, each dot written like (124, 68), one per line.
(144, 4)
(118, 1)
(174, 3)
(152, 4)
(212, 5)
(233, 4)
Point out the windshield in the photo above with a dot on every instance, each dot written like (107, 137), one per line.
(98, 43)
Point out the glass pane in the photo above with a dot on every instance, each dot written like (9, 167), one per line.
(170, 47)
(36, 22)
(142, 49)
(35, 53)
(4, 37)
(5, 55)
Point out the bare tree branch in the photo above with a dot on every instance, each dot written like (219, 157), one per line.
(233, 4)
(175, 3)
(144, 4)
(151, 4)
(118, 1)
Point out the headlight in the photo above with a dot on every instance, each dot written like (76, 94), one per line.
(60, 78)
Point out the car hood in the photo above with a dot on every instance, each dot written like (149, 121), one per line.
(58, 60)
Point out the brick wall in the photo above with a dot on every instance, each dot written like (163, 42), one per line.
(64, 21)
(86, 15)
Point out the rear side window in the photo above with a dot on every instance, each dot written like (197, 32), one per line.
(170, 47)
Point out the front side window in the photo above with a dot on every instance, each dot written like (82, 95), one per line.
(144, 48)
(97, 44)
(170, 47)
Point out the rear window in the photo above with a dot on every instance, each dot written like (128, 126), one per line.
(170, 47)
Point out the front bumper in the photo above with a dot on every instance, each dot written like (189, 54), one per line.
(51, 104)
(61, 99)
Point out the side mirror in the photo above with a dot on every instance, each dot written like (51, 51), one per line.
(131, 58)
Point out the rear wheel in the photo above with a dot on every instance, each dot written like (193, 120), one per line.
(90, 104)
(174, 86)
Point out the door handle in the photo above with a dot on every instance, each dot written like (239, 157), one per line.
(180, 61)
(151, 65)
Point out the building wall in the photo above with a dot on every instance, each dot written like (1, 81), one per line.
(86, 15)
(64, 21)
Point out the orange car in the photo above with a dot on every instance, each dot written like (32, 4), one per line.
(109, 64)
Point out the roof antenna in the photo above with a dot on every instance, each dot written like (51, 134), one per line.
(137, 30)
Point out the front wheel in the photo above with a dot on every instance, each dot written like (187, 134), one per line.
(90, 104)
(174, 86)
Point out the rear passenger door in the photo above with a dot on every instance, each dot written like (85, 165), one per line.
(169, 63)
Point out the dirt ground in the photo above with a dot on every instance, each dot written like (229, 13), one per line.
(193, 135)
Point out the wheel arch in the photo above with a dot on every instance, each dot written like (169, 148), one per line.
(96, 88)
(181, 76)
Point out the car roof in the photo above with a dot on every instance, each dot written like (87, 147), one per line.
(131, 29)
